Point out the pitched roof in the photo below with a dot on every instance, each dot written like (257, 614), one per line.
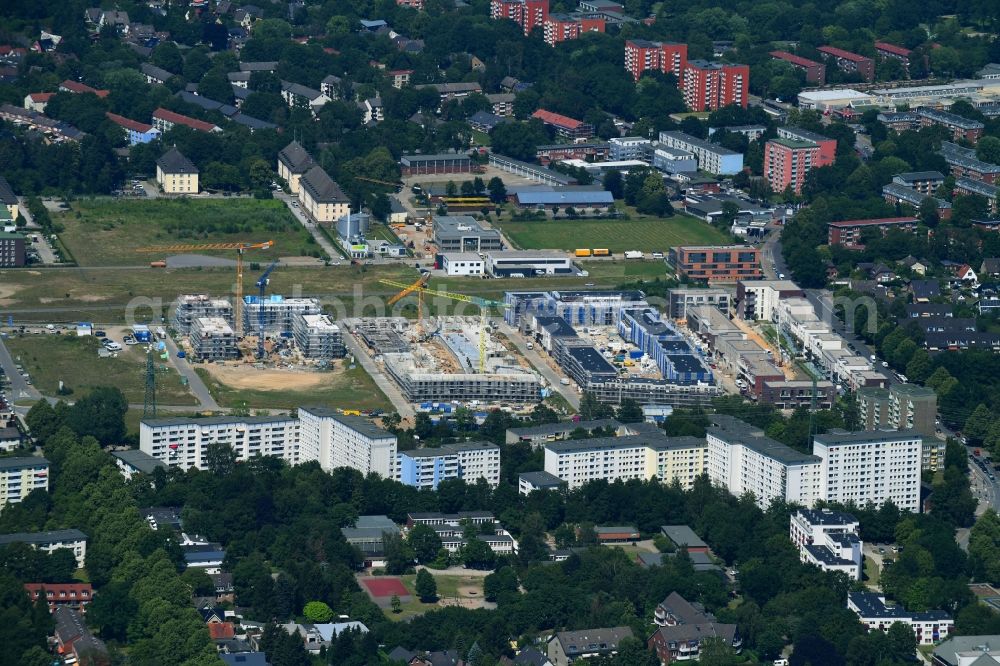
(173, 161)
(892, 48)
(221, 630)
(296, 158)
(128, 123)
(794, 59)
(841, 53)
(178, 119)
(157, 73)
(69, 624)
(41, 97)
(321, 187)
(586, 641)
(77, 87)
(556, 119)
(7, 195)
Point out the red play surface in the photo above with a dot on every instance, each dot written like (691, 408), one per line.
(385, 587)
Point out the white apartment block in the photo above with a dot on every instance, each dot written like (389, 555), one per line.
(626, 457)
(336, 440)
(73, 540)
(19, 476)
(828, 539)
(929, 627)
(864, 467)
(741, 459)
(183, 442)
(470, 461)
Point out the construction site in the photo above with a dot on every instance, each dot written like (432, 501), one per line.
(447, 359)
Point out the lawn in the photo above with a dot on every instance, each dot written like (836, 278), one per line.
(644, 234)
(107, 232)
(347, 389)
(447, 587)
(51, 358)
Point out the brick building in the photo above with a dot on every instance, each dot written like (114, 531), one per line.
(850, 62)
(815, 71)
(708, 86)
(529, 14)
(886, 51)
(848, 232)
(788, 160)
(716, 263)
(667, 57)
(562, 27)
(568, 128)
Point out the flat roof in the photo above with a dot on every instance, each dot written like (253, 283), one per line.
(50, 536)
(826, 517)
(623, 442)
(22, 461)
(541, 479)
(840, 437)
(141, 460)
(682, 535)
(356, 423)
(765, 446)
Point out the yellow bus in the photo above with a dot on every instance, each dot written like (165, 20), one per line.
(583, 253)
(602, 252)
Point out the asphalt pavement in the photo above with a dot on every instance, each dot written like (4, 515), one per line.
(297, 213)
(19, 389)
(398, 400)
(567, 392)
(195, 384)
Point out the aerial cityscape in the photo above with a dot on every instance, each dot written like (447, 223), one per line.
(499, 333)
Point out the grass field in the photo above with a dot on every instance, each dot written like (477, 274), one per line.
(50, 358)
(645, 234)
(348, 389)
(107, 232)
(447, 587)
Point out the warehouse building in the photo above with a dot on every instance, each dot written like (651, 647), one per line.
(213, 339)
(527, 263)
(416, 165)
(317, 337)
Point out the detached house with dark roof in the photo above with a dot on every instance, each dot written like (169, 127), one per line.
(568, 646)
(683, 627)
(299, 95)
(293, 163)
(176, 174)
(321, 198)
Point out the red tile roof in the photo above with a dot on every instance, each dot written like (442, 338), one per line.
(841, 53)
(556, 119)
(221, 630)
(874, 222)
(77, 87)
(64, 592)
(794, 59)
(892, 48)
(40, 97)
(128, 123)
(178, 119)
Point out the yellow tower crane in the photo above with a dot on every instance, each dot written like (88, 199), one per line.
(415, 287)
(240, 249)
(482, 303)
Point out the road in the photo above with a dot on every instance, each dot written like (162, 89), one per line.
(19, 389)
(297, 213)
(195, 384)
(540, 364)
(390, 389)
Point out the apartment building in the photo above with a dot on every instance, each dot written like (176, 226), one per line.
(528, 482)
(924, 182)
(959, 126)
(470, 461)
(683, 627)
(72, 595)
(321, 198)
(176, 174)
(815, 71)
(716, 263)
(929, 627)
(73, 540)
(135, 131)
(963, 162)
(677, 460)
(788, 161)
(864, 467)
(189, 307)
(894, 194)
(19, 476)
(886, 51)
(165, 120)
(850, 233)
(568, 646)
(213, 339)
(12, 252)
(708, 86)
(900, 407)
(850, 62)
(757, 299)
(565, 127)
(712, 158)
(293, 162)
(133, 461)
(529, 14)
(336, 440)
(642, 55)
(967, 186)
(9, 199)
(317, 337)
(741, 459)
(828, 539)
(278, 313)
(561, 27)
(638, 456)
(680, 299)
(184, 442)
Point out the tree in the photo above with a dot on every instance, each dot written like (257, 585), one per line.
(592, 410)
(317, 611)
(426, 586)
(614, 183)
(978, 424)
(398, 554)
(901, 642)
(498, 191)
(396, 604)
(112, 610)
(988, 149)
(629, 411)
(100, 414)
(929, 214)
(42, 421)
(424, 542)
(477, 555)
(215, 86)
(220, 458)
(167, 56)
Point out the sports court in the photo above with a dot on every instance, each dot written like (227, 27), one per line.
(381, 589)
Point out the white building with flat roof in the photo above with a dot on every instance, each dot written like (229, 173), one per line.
(336, 440)
(863, 467)
(73, 540)
(463, 264)
(828, 539)
(21, 475)
(470, 461)
(183, 442)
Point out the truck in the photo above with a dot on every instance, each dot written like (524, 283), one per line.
(633, 254)
(141, 333)
(583, 252)
(161, 333)
(157, 264)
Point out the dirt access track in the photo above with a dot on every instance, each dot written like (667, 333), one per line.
(249, 377)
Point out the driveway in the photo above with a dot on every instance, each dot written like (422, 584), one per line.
(19, 389)
(541, 364)
(390, 389)
(321, 240)
(195, 384)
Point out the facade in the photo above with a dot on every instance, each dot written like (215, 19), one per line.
(321, 198)
(924, 182)
(9, 199)
(526, 263)
(176, 174)
(967, 186)
(850, 62)
(815, 71)
(73, 540)
(418, 165)
(712, 157)
(626, 457)
(788, 161)
(886, 51)
(742, 459)
(929, 627)
(529, 14)
(317, 337)
(900, 407)
(293, 163)
(758, 299)
(959, 126)
(963, 162)
(862, 467)
(463, 264)
(828, 539)
(528, 482)
(189, 307)
(894, 193)
(213, 339)
(12, 250)
(135, 131)
(716, 263)
(629, 148)
(708, 86)
(463, 233)
(336, 440)
(19, 476)
(165, 120)
(849, 233)
(683, 626)
(184, 442)
(134, 461)
(642, 55)
(680, 299)
(562, 27)
(71, 595)
(567, 646)
(470, 461)
(565, 127)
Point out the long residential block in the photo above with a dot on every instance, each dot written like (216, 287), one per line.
(470, 461)
(712, 157)
(21, 475)
(71, 539)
